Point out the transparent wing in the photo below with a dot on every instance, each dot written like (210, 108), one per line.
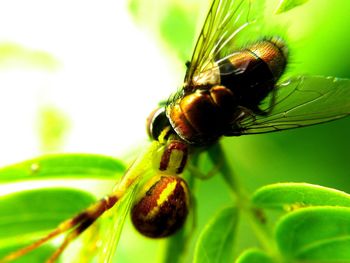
(114, 228)
(137, 174)
(226, 18)
(300, 101)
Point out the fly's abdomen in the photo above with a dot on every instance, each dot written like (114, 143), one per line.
(252, 73)
(200, 117)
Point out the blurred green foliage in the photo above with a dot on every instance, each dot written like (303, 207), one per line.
(174, 23)
(53, 125)
(12, 54)
(288, 5)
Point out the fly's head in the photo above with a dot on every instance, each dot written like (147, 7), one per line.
(172, 154)
(157, 125)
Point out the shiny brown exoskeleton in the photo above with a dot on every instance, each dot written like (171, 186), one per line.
(209, 107)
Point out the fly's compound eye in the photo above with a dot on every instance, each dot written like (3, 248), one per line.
(156, 122)
(162, 208)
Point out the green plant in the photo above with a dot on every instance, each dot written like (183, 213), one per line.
(294, 222)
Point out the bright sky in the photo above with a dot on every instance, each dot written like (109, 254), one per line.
(110, 76)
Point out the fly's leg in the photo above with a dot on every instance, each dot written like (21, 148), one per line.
(75, 225)
(204, 175)
(265, 112)
(241, 114)
(244, 113)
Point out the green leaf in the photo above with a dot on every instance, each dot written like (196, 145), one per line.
(286, 5)
(82, 166)
(315, 233)
(215, 243)
(27, 215)
(293, 195)
(253, 256)
(34, 211)
(336, 250)
(37, 255)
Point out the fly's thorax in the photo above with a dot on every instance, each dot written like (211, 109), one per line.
(162, 206)
(200, 117)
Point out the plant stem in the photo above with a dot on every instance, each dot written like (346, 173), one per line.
(263, 233)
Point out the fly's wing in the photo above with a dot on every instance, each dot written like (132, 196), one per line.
(300, 101)
(225, 20)
(114, 228)
(139, 172)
